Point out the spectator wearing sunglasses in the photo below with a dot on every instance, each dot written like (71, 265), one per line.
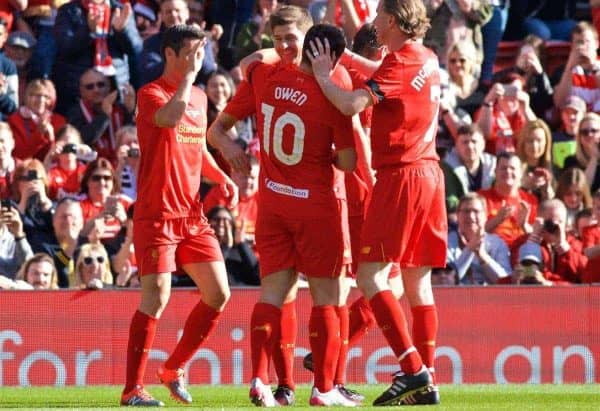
(104, 209)
(587, 151)
(92, 271)
(101, 112)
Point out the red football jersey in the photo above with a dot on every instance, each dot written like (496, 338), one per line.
(170, 158)
(297, 128)
(406, 93)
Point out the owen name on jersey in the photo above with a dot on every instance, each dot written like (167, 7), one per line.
(289, 94)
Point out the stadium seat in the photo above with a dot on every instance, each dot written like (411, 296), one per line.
(557, 53)
(506, 54)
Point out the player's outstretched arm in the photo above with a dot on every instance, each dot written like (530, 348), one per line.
(267, 56)
(348, 102)
(220, 138)
(345, 159)
(354, 61)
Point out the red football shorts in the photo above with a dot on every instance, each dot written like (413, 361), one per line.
(163, 245)
(314, 247)
(406, 221)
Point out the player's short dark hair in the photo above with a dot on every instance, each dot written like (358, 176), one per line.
(336, 39)
(174, 36)
(365, 41)
(288, 14)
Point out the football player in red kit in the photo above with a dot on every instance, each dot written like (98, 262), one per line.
(406, 219)
(170, 229)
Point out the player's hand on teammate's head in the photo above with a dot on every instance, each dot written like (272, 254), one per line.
(320, 57)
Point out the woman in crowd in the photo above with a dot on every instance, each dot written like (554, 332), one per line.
(92, 270)
(534, 149)
(104, 208)
(63, 162)
(574, 191)
(587, 152)
(34, 124)
(240, 260)
(464, 76)
(38, 273)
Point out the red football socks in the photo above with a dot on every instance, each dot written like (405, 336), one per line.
(391, 321)
(361, 319)
(141, 336)
(424, 332)
(198, 326)
(324, 336)
(340, 372)
(283, 348)
(264, 328)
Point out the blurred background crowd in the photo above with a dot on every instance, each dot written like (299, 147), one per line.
(518, 133)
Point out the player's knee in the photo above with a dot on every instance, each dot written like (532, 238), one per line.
(218, 299)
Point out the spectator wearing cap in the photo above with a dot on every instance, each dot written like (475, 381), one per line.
(146, 17)
(19, 48)
(564, 142)
(9, 80)
(172, 12)
(93, 34)
(557, 254)
(476, 256)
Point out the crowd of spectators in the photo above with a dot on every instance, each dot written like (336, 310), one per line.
(519, 141)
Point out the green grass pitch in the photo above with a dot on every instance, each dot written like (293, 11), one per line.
(227, 397)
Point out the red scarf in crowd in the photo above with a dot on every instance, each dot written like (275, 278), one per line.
(102, 58)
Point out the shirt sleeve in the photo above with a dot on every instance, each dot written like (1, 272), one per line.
(150, 99)
(243, 103)
(384, 81)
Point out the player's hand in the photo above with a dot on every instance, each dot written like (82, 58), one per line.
(236, 157)
(194, 58)
(319, 55)
(230, 191)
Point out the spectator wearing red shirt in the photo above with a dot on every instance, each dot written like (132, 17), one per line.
(511, 210)
(560, 259)
(65, 170)
(505, 111)
(34, 124)
(590, 238)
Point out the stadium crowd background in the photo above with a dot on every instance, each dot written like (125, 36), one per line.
(518, 135)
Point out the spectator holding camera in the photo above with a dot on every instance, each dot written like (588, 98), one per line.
(582, 71)
(533, 148)
(511, 210)
(92, 270)
(38, 273)
(504, 113)
(14, 247)
(560, 259)
(29, 188)
(64, 165)
(477, 257)
(34, 124)
(101, 112)
(467, 167)
(128, 160)
(587, 150)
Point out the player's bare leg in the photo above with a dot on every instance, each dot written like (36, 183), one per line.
(211, 280)
(265, 332)
(156, 290)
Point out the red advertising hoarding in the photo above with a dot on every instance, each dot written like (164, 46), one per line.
(487, 335)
